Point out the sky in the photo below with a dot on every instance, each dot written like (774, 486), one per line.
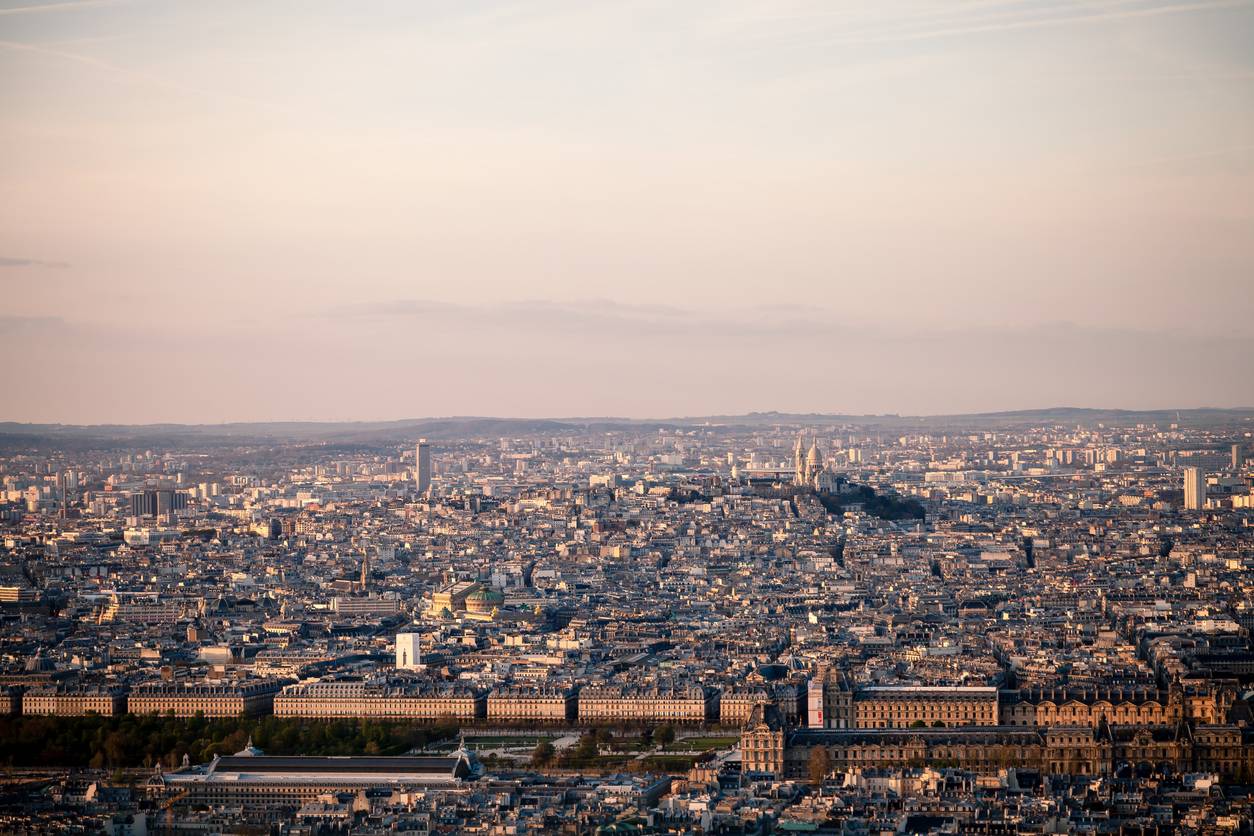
(244, 210)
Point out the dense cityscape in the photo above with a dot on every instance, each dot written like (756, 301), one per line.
(1003, 623)
(636, 418)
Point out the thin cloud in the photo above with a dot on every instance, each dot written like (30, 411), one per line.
(11, 261)
(1235, 151)
(883, 25)
(60, 7)
(1016, 24)
(25, 325)
(597, 319)
(601, 318)
(127, 73)
(883, 20)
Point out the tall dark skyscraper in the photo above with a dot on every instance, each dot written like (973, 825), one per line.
(157, 503)
(422, 466)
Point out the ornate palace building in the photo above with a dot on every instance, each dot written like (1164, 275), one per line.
(835, 704)
(768, 745)
(1116, 706)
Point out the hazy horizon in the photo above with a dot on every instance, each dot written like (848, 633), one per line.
(315, 210)
(639, 419)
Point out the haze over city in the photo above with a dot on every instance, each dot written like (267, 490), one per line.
(627, 417)
(242, 211)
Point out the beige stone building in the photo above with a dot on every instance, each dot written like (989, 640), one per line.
(647, 704)
(212, 699)
(829, 701)
(74, 701)
(769, 746)
(736, 705)
(897, 707)
(453, 597)
(545, 705)
(1117, 707)
(380, 699)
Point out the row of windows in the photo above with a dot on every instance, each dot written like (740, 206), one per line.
(947, 711)
(364, 703)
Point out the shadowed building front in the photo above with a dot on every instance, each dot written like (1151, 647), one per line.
(257, 782)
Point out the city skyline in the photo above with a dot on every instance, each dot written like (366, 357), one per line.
(546, 625)
(839, 417)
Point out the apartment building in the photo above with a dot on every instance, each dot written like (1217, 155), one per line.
(380, 699)
(647, 704)
(212, 699)
(74, 701)
(546, 705)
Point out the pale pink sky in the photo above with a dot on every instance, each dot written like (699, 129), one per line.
(270, 209)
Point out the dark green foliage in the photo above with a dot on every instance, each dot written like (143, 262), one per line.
(674, 764)
(884, 506)
(587, 747)
(132, 740)
(543, 754)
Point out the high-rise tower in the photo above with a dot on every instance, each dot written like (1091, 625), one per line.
(422, 466)
(408, 652)
(1194, 488)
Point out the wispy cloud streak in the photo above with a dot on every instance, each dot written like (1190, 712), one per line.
(59, 7)
(11, 261)
(126, 73)
(1009, 23)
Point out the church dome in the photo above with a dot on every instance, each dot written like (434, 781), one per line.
(483, 600)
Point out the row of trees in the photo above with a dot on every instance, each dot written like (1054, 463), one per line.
(586, 751)
(133, 740)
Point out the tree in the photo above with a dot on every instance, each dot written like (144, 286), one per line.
(115, 748)
(587, 749)
(664, 735)
(543, 754)
(820, 765)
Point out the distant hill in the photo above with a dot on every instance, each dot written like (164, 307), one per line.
(1025, 417)
(332, 432)
(17, 435)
